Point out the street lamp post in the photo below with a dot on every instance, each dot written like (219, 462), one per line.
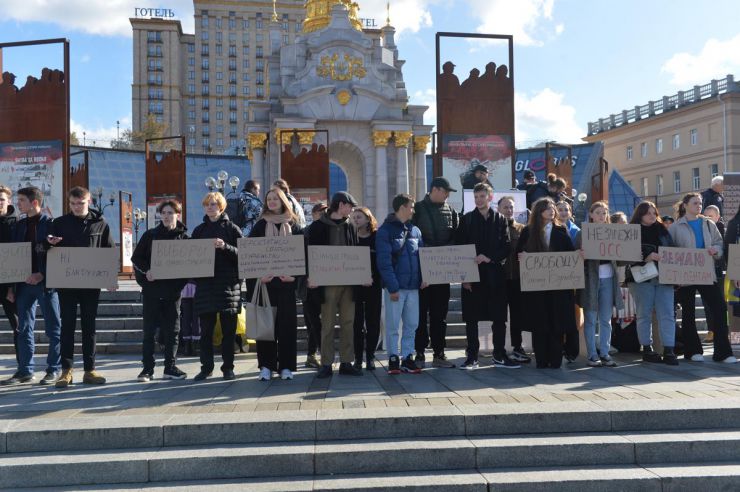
(219, 183)
(97, 198)
(139, 217)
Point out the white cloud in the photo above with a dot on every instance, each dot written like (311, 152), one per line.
(545, 116)
(529, 21)
(103, 17)
(406, 15)
(98, 135)
(715, 60)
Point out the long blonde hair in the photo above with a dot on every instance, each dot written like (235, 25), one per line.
(286, 205)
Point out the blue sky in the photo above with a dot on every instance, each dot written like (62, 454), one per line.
(575, 60)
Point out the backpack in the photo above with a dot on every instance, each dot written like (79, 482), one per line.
(239, 208)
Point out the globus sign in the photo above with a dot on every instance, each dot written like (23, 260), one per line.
(537, 164)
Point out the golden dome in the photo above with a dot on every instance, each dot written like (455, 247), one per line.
(318, 14)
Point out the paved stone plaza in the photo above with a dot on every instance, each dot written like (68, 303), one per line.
(123, 395)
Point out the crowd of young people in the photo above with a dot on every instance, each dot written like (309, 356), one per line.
(415, 313)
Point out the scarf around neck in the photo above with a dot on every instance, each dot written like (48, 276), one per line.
(282, 223)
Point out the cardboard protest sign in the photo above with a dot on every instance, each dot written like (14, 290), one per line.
(82, 268)
(15, 262)
(271, 256)
(685, 266)
(449, 264)
(733, 262)
(183, 258)
(339, 265)
(551, 271)
(619, 242)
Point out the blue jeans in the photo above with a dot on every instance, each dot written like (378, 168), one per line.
(651, 295)
(27, 298)
(605, 301)
(406, 310)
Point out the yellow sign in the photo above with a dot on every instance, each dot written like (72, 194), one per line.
(345, 68)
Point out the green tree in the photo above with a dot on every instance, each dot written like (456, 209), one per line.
(151, 129)
(73, 140)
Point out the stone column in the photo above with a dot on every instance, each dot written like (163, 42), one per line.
(420, 160)
(257, 142)
(380, 140)
(402, 162)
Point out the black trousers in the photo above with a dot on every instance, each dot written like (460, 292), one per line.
(312, 318)
(499, 338)
(189, 322)
(228, 328)
(11, 312)
(87, 300)
(282, 353)
(165, 315)
(433, 305)
(714, 305)
(514, 302)
(367, 322)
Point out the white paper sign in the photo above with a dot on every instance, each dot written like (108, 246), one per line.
(339, 265)
(15, 262)
(271, 256)
(449, 264)
(183, 258)
(82, 268)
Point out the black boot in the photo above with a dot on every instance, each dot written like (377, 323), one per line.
(650, 355)
(669, 357)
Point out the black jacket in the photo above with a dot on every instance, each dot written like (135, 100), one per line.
(318, 234)
(7, 222)
(141, 258)
(711, 197)
(222, 292)
(91, 231)
(436, 221)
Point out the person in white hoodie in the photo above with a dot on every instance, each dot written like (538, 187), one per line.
(691, 230)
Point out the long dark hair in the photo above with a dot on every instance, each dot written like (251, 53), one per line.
(642, 209)
(536, 226)
(680, 207)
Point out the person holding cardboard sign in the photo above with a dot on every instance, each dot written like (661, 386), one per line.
(34, 228)
(279, 355)
(554, 316)
(161, 298)
(334, 228)
(649, 294)
(221, 294)
(80, 228)
(485, 300)
(694, 231)
(600, 295)
(8, 220)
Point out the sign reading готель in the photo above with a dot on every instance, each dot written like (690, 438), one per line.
(156, 12)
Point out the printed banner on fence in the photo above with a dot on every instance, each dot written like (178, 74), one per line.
(551, 271)
(685, 266)
(82, 268)
(619, 242)
(178, 258)
(15, 262)
(733, 262)
(271, 256)
(449, 264)
(339, 265)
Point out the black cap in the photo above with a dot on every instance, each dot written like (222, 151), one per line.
(528, 174)
(442, 182)
(667, 217)
(343, 197)
(480, 167)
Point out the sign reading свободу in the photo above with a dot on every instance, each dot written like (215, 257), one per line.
(339, 265)
(15, 262)
(685, 266)
(619, 242)
(82, 268)
(271, 256)
(551, 271)
(183, 258)
(448, 264)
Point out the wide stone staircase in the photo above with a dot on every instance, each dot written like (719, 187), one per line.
(119, 324)
(610, 446)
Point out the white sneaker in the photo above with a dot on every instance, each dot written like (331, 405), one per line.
(730, 360)
(265, 374)
(286, 374)
(697, 358)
